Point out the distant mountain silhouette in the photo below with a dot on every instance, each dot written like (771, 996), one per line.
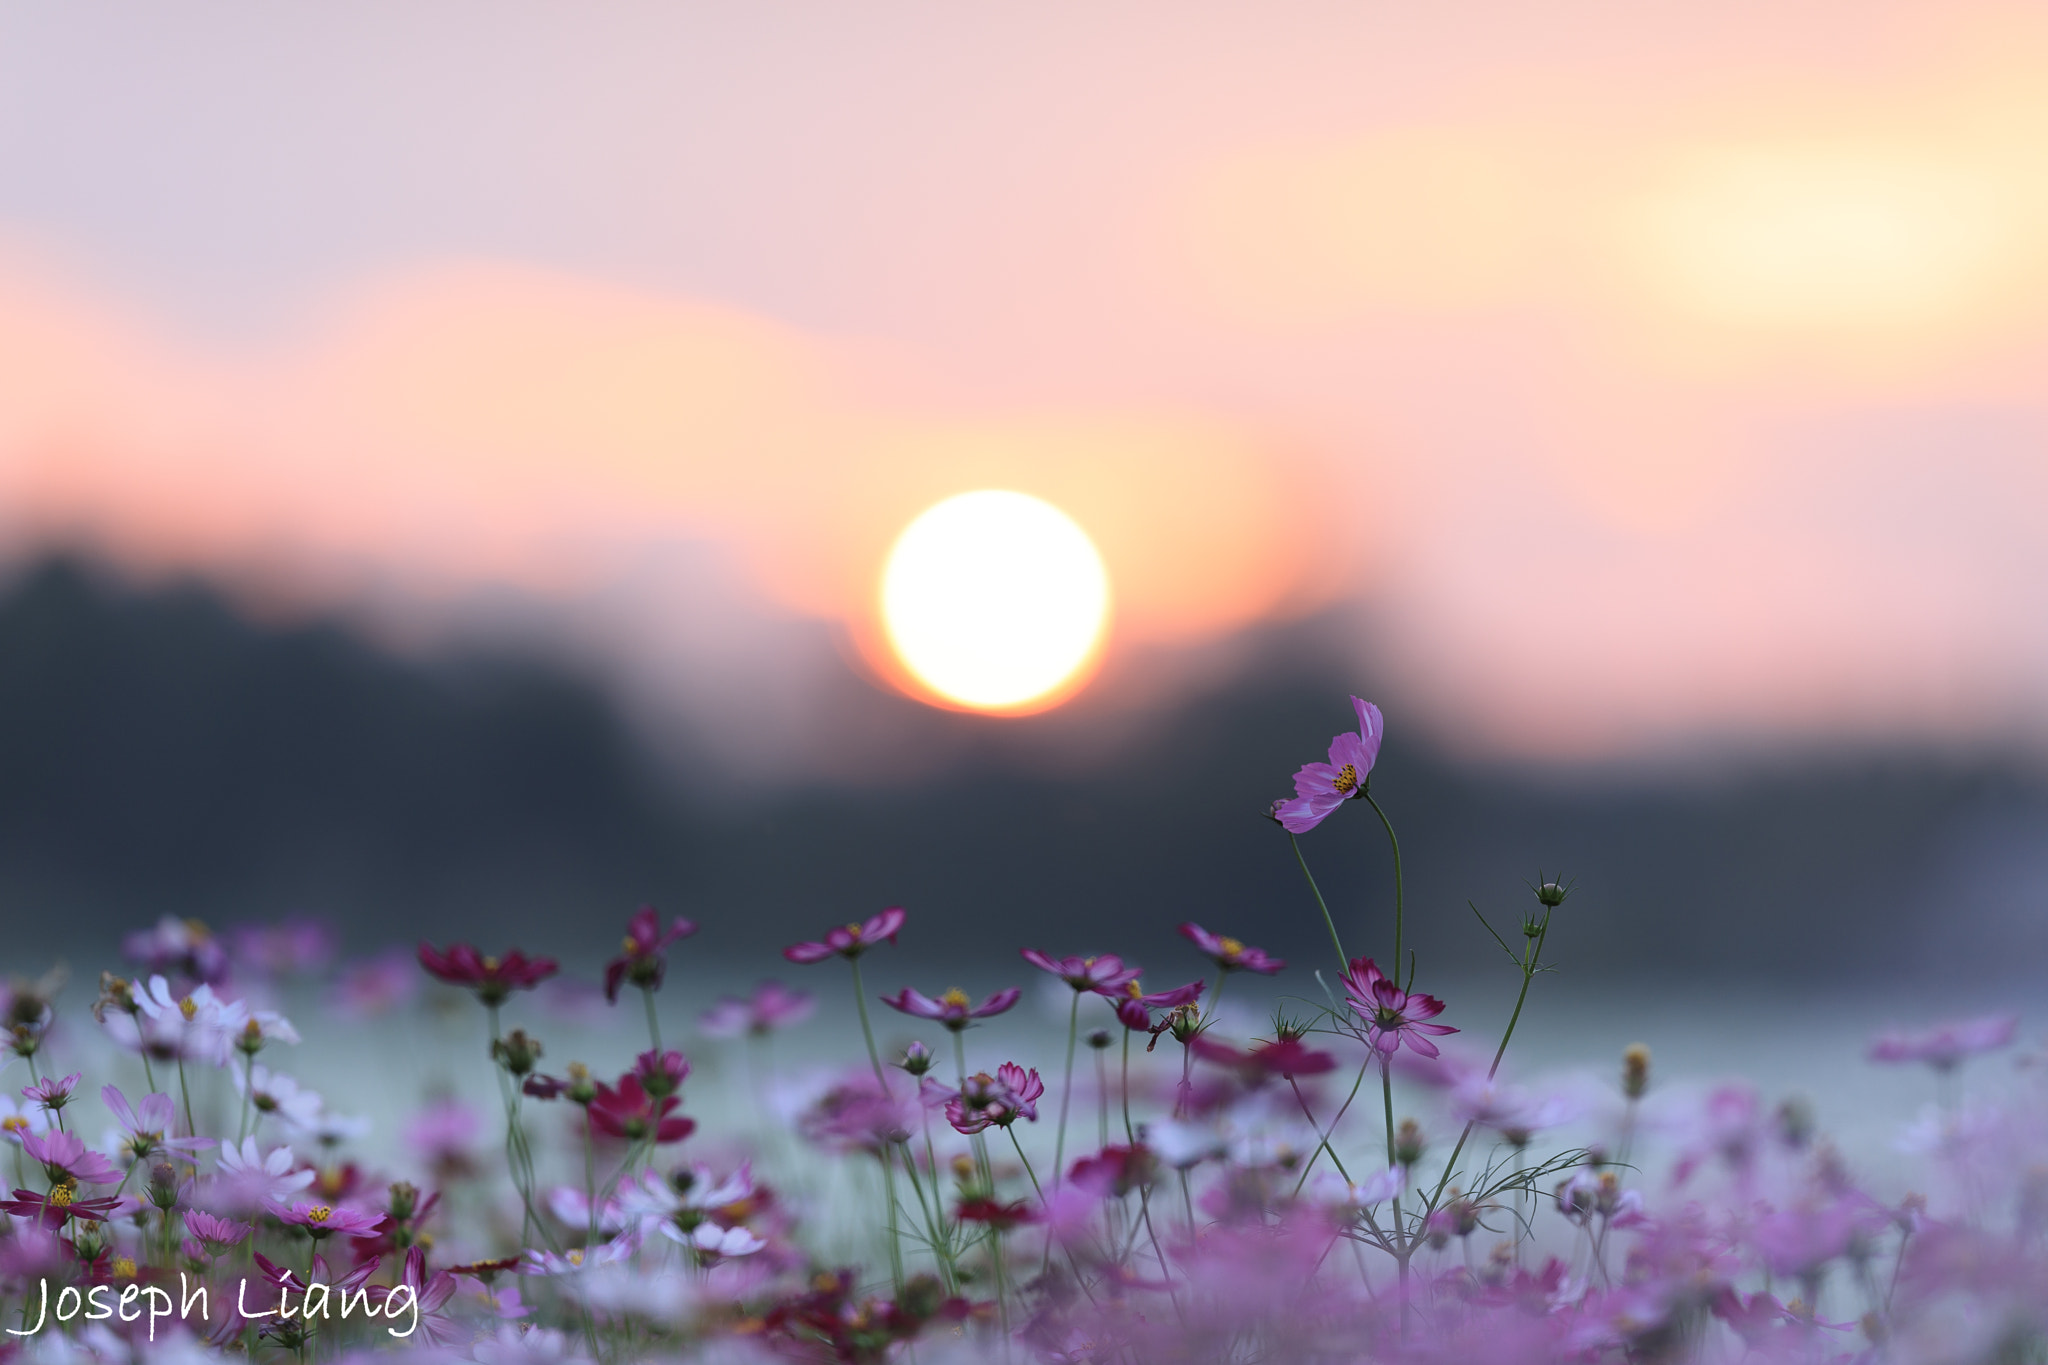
(160, 754)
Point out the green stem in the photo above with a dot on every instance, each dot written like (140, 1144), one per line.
(860, 1000)
(895, 1243)
(1399, 899)
(186, 1093)
(1323, 1142)
(248, 1094)
(1531, 961)
(1059, 1149)
(1129, 1138)
(653, 1024)
(1387, 1093)
(1345, 1108)
(1343, 962)
(1012, 1131)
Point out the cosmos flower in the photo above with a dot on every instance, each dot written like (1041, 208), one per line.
(51, 1210)
(216, 1234)
(998, 1100)
(199, 1020)
(52, 1092)
(855, 1115)
(1134, 1006)
(709, 1239)
(1319, 788)
(492, 978)
(273, 1092)
(146, 1126)
(294, 947)
(642, 962)
(250, 1177)
(771, 1006)
(628, 1111)
(431, 1293)
(179, 947)
(64, 1157)
(1104, 975)
(1391, 1015)
(1228, 953)
(851, 940)
(1285, 1058)
(324, 1220)
(952, 1009)
(1944, 1046)
(17, 1118)
(377, 985)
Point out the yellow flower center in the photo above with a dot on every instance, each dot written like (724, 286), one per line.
(1230, 946)
(14, 1123)
(63, 1193)
(1347, 778)
(252, 1030)
(124, 1269)
(319, 1213)
(188, 1007)
(1133, 989)
(853, 929)
(490, 964)
(631, 944)
(955, 997)
(576, 1256)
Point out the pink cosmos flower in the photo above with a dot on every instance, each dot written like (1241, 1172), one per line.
(661, 1073)
(431, 1293)
(851, 940)
(628, 1111)
(1392, 1016)
(324, 1220)
(856, 1116)
(772, 1006)
(1285, 1058)
(61, 1203)
(65, 1158)
(287, 1278)
(250, 1177)
(1134, 1007)
(179, 947)
(999, 1100)
(953, 1008)
(642, 962)
(293, 947)
(1104, 975)
(215, 1234)
(376, 985)
(1229, 953)
(492, 978)
(147, 1126)
(17, 1118)
(1320, 788)
(1944, 1046)
(53, 1092)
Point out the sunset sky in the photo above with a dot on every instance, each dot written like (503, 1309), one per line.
(1630, 373)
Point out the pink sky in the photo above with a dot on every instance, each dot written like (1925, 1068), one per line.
(1639, 374)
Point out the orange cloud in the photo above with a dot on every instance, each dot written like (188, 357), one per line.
(477, 427)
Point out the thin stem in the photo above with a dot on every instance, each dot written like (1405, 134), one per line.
(1532, 959)
(1323, 1142)
(895, 1245)
(1387, 1093)
(1059, 1149)
(186, 1093)
(1012, 1131)
(1342, 1110)
(653, 1024)
(1343, 962)
(860, 1000)
(1128, 1136)
(1399, 899)
(1101, 1096)
(248, 1093)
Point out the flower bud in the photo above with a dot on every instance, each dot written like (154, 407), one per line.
(1184, 1022)
(1635, 1071)
(405, 1200)
(251, 1040)
(163, 1185)
(516, 1052)
(1408, 1143)
(1099, 1039)
(580, 1088)
(1552, 894)
(1795, 1122)
(917, 1059)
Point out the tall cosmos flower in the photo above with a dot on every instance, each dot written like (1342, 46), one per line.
(1134, 1006)
(492, 978)
(1320, 788)
(642, 963)
(851, 940)
(146, 1126)
(1230, 954)
(771, 1006)
(953, 1009)
(1104, 975)
(1391, 1015)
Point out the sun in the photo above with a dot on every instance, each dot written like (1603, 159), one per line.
(994, 599)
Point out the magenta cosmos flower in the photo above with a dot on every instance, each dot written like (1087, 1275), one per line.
(771, 1006)
(146, 1126)
(1392, 1016)
(998, 1100)
(65, 1158)
(1230, 954)
(1104, 975)
(642, 962)
(628, 1111)
(1944, 1046)
(953, 1008)
(852, 940)
(1320, 788)
(324, 1220)
(492, 978)
(1134, 1007)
